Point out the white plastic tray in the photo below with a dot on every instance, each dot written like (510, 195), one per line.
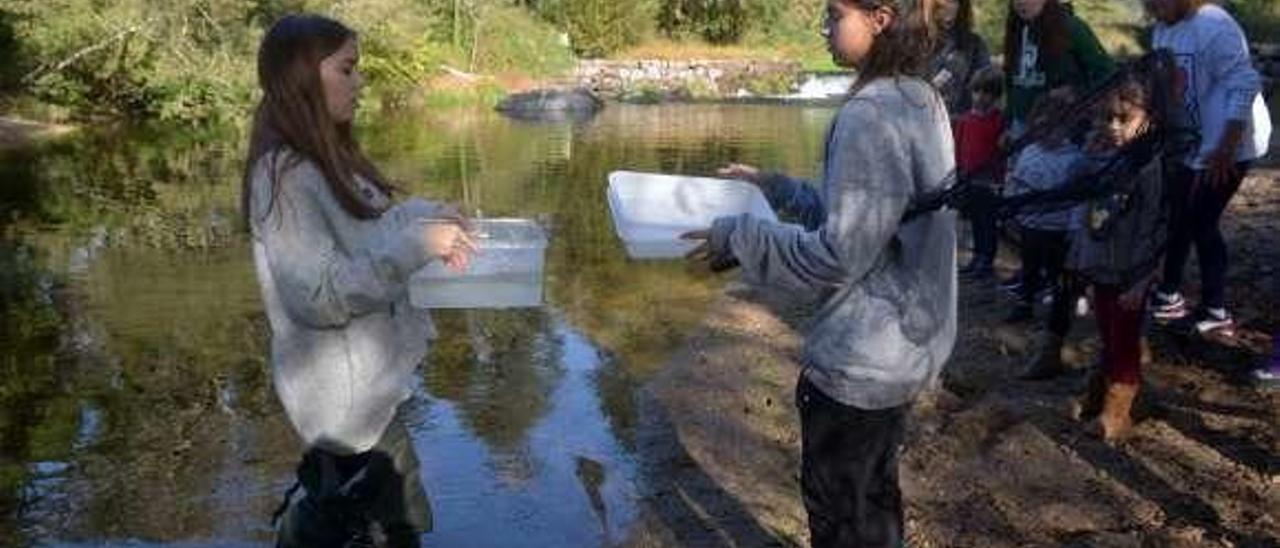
(651, 211)
(505, 272)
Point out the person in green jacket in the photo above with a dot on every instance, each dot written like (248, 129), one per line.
(1047, 49)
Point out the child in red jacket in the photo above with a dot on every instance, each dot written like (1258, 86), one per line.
(977, 137)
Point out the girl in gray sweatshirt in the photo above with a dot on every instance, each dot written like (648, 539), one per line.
(333, 254)
(889, 318)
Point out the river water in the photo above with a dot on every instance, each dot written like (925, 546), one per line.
(135, 397)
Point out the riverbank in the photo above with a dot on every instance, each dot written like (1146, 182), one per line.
(19, 133)
(990, 461)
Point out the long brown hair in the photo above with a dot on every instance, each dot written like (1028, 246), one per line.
(293, 113)
(905, 46)
(1053, 26)
(962, 30)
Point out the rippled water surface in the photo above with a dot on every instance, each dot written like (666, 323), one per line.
(135, 397)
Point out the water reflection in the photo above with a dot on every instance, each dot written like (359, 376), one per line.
(135, 399)
(498, 368)
(32, 435)
(556, 477)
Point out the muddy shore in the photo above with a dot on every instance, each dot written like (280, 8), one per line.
(990, 461)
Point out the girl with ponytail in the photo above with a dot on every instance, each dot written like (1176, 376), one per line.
(889, 318)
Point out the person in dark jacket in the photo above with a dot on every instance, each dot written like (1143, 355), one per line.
(958, 57)
(1118, 251)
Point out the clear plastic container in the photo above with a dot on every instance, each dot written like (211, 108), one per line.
(651, 211)
(505, 272)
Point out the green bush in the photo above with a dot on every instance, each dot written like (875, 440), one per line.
(779, 22)
(716, 21)
(182, 59)
(599, 27)
(10, 62)
(193, 61)
(1260, 18)
(509, 40)
(397, 52)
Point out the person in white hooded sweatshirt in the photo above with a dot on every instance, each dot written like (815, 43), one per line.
(1223, 95)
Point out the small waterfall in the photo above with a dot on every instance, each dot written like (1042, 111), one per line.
(823, 85)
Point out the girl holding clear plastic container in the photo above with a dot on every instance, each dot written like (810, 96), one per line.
(889, 319)
(333, 252)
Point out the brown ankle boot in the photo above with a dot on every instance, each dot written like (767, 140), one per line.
(1047, 361)
(1116, 417)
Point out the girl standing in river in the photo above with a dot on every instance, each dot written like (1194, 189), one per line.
(333, 253)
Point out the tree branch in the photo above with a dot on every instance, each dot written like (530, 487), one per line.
(45, 69)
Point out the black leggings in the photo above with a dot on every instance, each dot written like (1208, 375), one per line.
(982, 216)
(1196, 210)
(849, 471)
(1043, 254)
(1069, 290)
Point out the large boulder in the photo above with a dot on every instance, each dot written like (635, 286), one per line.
(552, 105)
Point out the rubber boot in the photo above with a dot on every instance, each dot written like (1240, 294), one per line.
(1116, 419)
(1047, 361)
(1087, 406)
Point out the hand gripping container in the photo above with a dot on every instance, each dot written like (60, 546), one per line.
(651, 211)
(505, 272)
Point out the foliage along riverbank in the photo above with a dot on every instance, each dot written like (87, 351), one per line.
(192, 61)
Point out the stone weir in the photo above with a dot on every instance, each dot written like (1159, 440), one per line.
(641, 80)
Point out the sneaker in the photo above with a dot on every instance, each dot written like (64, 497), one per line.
(1082, 307)
(1266, 377)
(1169, 307)
(1216, 324)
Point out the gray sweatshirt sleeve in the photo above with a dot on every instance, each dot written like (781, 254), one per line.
(794, 198)
(868, 188)
(1227, 56)
(321, 284)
